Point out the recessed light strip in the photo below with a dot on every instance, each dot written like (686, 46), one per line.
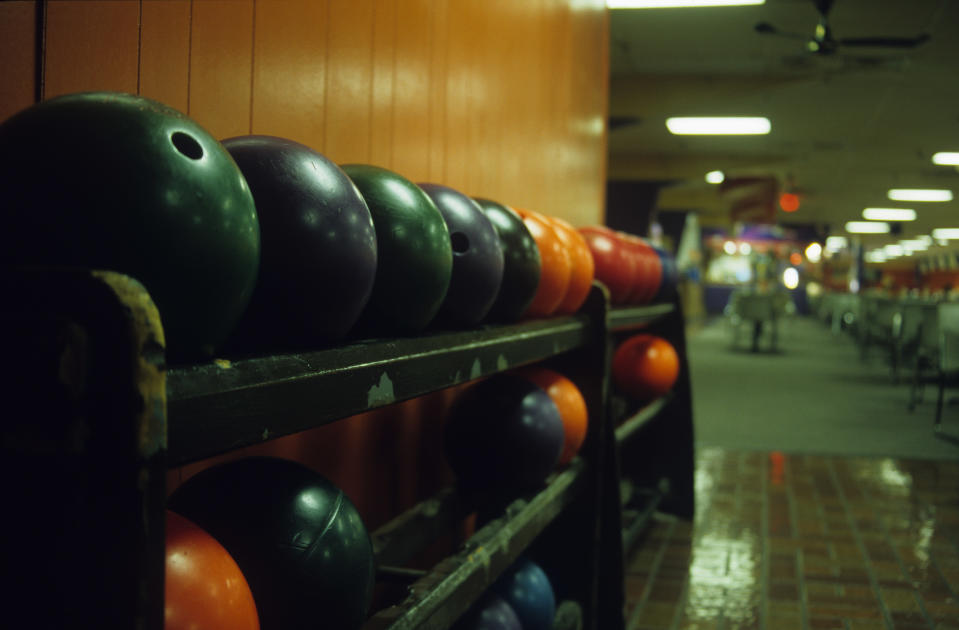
(717, 125)
(920, 194)
(889, 214)
(867, 227)
(946, 158)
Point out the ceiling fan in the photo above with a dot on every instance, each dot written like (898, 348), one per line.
(823, 42)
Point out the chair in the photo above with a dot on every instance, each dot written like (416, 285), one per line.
(756, 309)
(925, 354)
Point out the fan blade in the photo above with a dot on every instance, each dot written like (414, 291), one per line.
(768, 29)
(885, 42)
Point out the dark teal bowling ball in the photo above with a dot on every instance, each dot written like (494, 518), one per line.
(298, 540)
(114, 181)
(414, 254)
(521, 263)
(528, 591)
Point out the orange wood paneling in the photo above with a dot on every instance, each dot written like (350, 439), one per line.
(289, 70)
(91, 45)
(411, 96)
(349, 79)
(221, 62)
(436, 110)
(382, 109)
(17, 53)
(165, 52)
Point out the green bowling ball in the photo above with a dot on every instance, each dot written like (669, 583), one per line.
(414, 253)
(115, 181)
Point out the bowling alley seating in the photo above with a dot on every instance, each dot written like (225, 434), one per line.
(948, 364)
(881, 323)
(756, 312)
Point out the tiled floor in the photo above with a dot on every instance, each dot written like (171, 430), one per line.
(800, 542)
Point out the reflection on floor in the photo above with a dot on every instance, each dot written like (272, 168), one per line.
(797, 542)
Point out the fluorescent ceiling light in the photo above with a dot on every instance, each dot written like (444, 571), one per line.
(714, 125)
(914, 245)
(867, 227)
(875, 256)
(889, 214)
(919, 194)
(947, 158)
(666, 4)
(945, 234)
(715, 177)
(893, 250)
(836, 242)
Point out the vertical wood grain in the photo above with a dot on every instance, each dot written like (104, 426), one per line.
(349, 81)
(165, 52)
(412, 96)
(221, 60)
(436, 110)
(18, 52)
(289, 70)
(382, 88)
(91, 45)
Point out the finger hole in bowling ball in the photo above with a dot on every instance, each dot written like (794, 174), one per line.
(187, 145)
(460, 242)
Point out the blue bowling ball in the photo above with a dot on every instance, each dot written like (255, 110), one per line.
(670, 276)
(528, 591)
(477, 257)
(490, 613)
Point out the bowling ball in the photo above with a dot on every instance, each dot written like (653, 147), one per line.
(115, 181)
(570, 402)
(477, 256)
(318, 245)
(415, 258)
(669, 276)
(504, 432)
(615, 267)
(490, 613)
(645, 366)
(527, 590)
(297, 538)
(582, 268)
(555, 265)
(204, 588)
(521, 263)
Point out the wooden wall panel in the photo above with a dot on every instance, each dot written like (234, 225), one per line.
(411, 94)
(289, 70)
(165, 52)
(91, 45)
(349, 81)
(436, 109)
(221, 62)
(382, 91)
(17, 56)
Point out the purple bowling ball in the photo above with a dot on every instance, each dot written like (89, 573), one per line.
(490, 613)
(504, 433)
(477, 257)
(319, 253)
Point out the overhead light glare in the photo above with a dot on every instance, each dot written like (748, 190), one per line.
(675, 4)
(919, 194)
(946, 234)
(791, 278)
(889, 214)
(893, 250)
(715, 177)
(946, 158)
(876, 256)
(718, 126)
(867, 227)
(814, 252)
(914, 245)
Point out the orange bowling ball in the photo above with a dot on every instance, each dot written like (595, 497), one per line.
(204, 588)
(570, 402)
(555, 265)
(582, 270)
(645, 367)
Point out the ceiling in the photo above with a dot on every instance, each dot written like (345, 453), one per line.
(845, 127)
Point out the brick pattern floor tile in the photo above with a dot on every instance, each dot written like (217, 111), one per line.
(801, 542)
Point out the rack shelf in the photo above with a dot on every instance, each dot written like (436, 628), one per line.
(223, 405)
